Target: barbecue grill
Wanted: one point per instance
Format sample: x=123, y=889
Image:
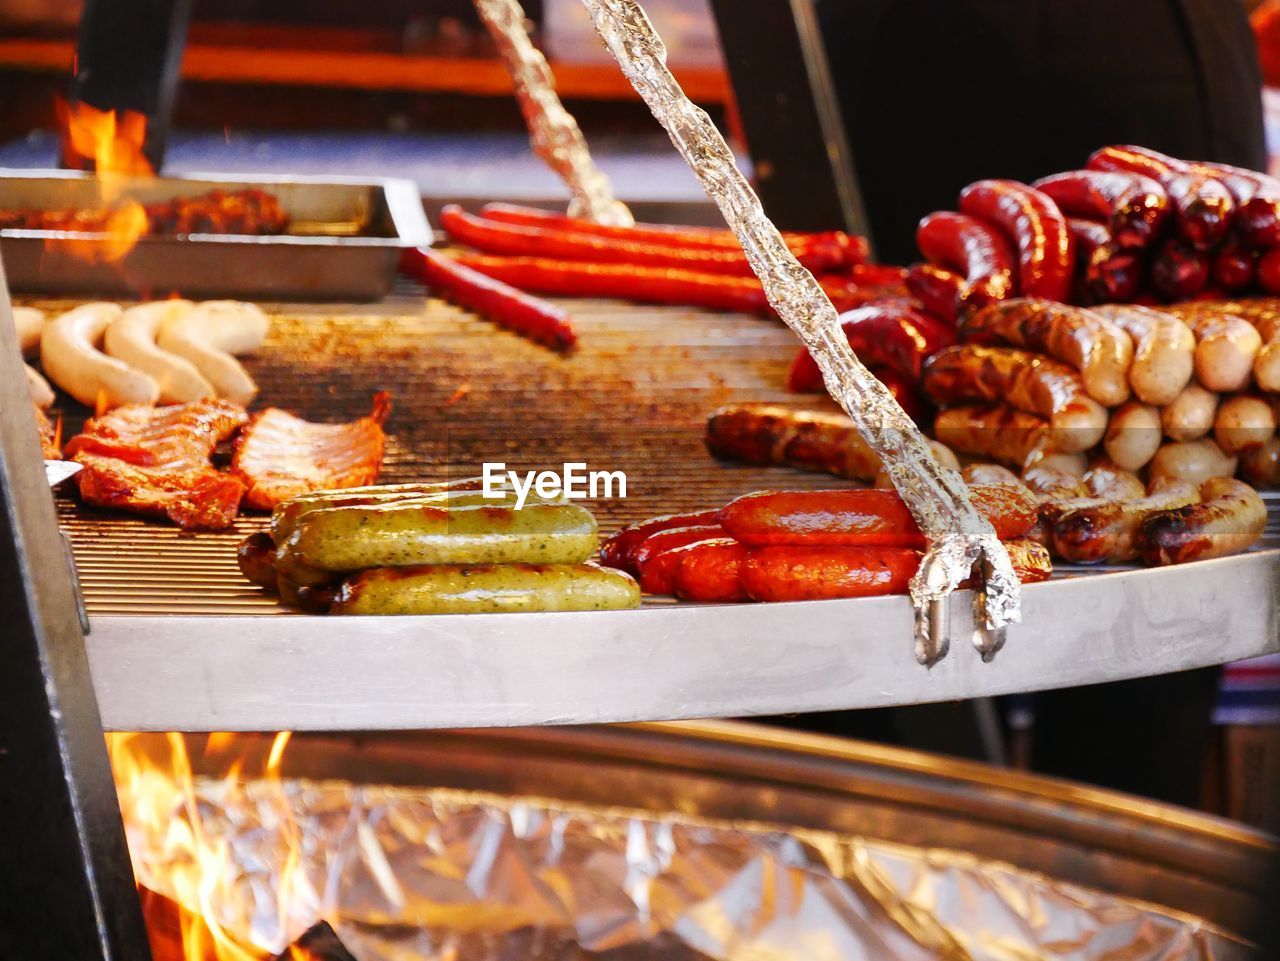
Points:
x=177, y=641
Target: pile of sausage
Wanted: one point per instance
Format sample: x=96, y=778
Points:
x=519, y=251
x=806, y=545
x=442, y=548
x=1085, y=512
x=1134, y=226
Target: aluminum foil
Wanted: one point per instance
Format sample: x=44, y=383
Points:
x=961, y=542
x=552, y=130
x=443, y=875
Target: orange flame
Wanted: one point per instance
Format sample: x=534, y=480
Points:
x=111, y=143
x=182, y=858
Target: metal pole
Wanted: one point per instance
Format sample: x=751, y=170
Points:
x=790, y=113
x=68, y=889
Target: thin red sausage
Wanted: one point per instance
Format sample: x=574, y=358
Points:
x=711, y=572
x=974, y=248
x=1046, y=255
x=619, y=550
x=659, y=574
x=1179, y=271
x=882, y=335
x=504, y=305
x=938, y=290
x=1107, y=273
x=655, y=544
x=1257, y=203
x=1203, y=205
x=821, y=573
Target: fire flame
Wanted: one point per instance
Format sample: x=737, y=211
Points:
x=163, y=811
x=111, y=143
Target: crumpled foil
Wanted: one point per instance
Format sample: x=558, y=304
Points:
x=553, y=132
x=432, y=874
x=961, y=541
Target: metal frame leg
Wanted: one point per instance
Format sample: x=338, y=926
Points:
x=68, y=889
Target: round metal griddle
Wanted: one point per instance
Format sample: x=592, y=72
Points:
x=179, y=640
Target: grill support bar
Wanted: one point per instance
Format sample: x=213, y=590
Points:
x=70, y=891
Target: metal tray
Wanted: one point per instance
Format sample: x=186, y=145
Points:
x=346, y=244
x=180, y=641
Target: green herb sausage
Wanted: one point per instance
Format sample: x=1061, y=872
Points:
x=414, y=533
x=285, y=516
x=486, y=588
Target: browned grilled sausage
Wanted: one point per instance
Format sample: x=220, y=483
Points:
x=1194, y=462
x=1163, y=351
x=1049, y=481
x=1242, y=421
x=809, y=440
x=1229, y=519
x=1108, y=531
x=1078, y=337
x=256, y=556
x=989, y=474
x=1133, y=435
x=995, y=432
x=970, y=373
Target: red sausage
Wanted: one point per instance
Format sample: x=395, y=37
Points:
x=1257, y=203
x=1135, y=207
x=1034, y=222
x=938, y=290
x=972, y=247
x=821, y=573
x=711, y=571
x=1106, y=274
x=619, y=550
x=1202, y=203
x=1269, y=272
x=655, y=544
x=659, y=574
x=1233, y=267
x=860, y=517
x=1179, y=271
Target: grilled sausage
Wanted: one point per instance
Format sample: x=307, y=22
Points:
x=1104, y=270
x=1133, y=435
x=710, y=572
x=486, y=588
x=1105, y=478
x=256, y=556
x=619, y=550
x=803, y=573
x=1085, y=340
x=1226, y=348
x=1243, y=420
x=1266, y=366
x=1257, y=203
x=809, y=440
x=413, y=534
x=996, y=432
x=1191, y=414
x=1073, y=465
x=854, y=517
x=1203, y=205
x=938, y=290
x=1046, y=253
x=660, y=569
x=882, y=335
x=1194, y=461
x=672, y=537
x=973, y=247
x=1108, y=532
x=1229, y=519
x=1029, y=382
x=1260, y=464
x=1234, y=267
x=1179, y=271
x=286, y=515
x=1030, y=560
x=1054, y=482
x=1135, y=207
x=1163, y=351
